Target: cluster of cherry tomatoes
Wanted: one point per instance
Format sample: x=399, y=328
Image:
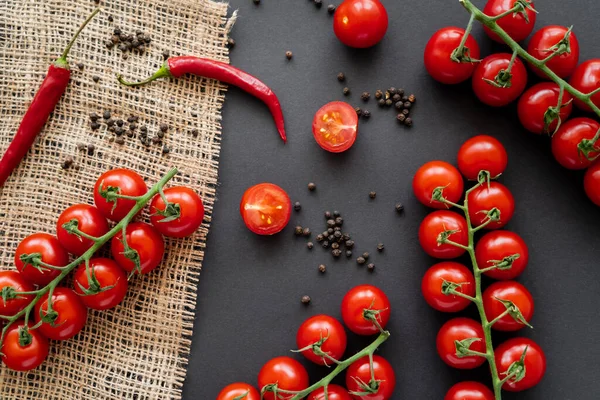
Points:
x=574, y=144
x=322, y=340
x=104, y=285
x=480, y=153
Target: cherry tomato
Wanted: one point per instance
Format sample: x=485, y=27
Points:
x=15, y=281
x=108, y=280
x=185, y=207
x=469, y=391
x=334, y=392
x=435, y=174
x=439, y=51
x=286, y=372
x=536, y=101
x=360, y=23
x=591, y=183
x=266, y=208
x=146, y=241
x=460, y=329
x=49, y=250
x=71, y=314
x=495, y=246
x=436, y=223
x=118, y=181
x=488, y=69
x=335, y=126
x=317, y=328
x=535, y=362
x=235, y=390
x=449, y=271
x=23, y=354
x=486, y=197
x=586, y=79
x=360, y=371
x=362, y=301
x=566, y=142
x=89, y=221
x=511, y=291
x=482, y=153
x=541, y=44
x=516, y=25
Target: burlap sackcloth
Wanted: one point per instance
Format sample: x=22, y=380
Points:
x=140, y=349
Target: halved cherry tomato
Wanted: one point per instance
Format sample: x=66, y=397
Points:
x=535, y=362
x=438, y=53
x=286, y=372
x=541, y=46
x=335, y=126
x=325, y=329
x=239, y=390
x=469, y=390
x=448, y=271
x=488, y=69
x=436, y=223
x=89, y=221
x=118, y=181
x=108, y=287
x=68, y=311
x=147, y=244
x=47, y=249
x=334, y=392
x=458, y=329
x=362, y=302
x=360, y=23
x=586, y=79
x=591, y=183
x=437, y=174
x=567, y=141
x=534, y=104
x=495, y=246
x=516, y=25
x=509, y=291
x=23, y=352
x=183, y=216
x=485, y=198
x=14, y=282
x=360, y=371
x=265, y=208
x=482, y=153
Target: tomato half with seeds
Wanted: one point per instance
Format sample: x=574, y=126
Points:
x=567, y=146
x=12, y=282
x=362, y=305
x=87, y=219
x=435, y=224
x=239, y=390
x=534, y=104
x=325, y=329
x=516, y=25
x=543, y=41
x=535, y=362
x=438, y=53
x=469, y=390
x=507, y=91
x=437, y=174
x=68, y=315
x=487, y=197
x=147, y=248
x=334, y=392
x=509, y=291
x=119, y=181
x=335, y=126
x=591, y=183
x=502, y=247
x=266, y=208
x=182, y=217
x=43, y=247
x=482, y=153
x=360, y=23
x=23, y=352
x=286, y=372
x=459, y=329
x=586, y=79
x=360, y=371
x=104, y=287
x=449, y=271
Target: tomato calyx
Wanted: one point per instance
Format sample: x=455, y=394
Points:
x=561, y=47
x=133, y=256
x=72, y=228
x=553, y=114
x=49, y=316
x=503, y=265
x=94, y=287
x=450, y=289
x=274, y=388
x=112, y=194
x=25, y=337
x=35, y=260
x=516, y=371
x=171, y=212
x=513, y=310
x=463, y=347
x=316, y=348
x=366, y=388
x=9, y=293
x=444, y=237
x=374, y=316
x=519, y=7
x=463, y=55
x=588, y=146
x=492, y=215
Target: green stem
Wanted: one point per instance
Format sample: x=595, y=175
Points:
x=62, y=60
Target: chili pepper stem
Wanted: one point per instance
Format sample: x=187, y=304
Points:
x=62, y=60
x=163, y=72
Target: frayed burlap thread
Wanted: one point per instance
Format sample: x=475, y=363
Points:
x=140, y=349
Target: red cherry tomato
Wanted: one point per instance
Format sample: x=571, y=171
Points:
x=534, y=104
x=482, y=153
x=436, y=223
x=147, y=243
x=586, y=79
x=89, y=221
x=360, y=23
x=118, y=181
x=438, y=53
x=335, y=126
x=511, y=291
x=495, y=246
x=186, y=209
x=486, y=197
x=334, y=392
x=17, y=283
x=266, y=208
x=435, y=174
x=449, y=271
x=488, y=69
x=541, y=44
x=23, y=354
x=516, y=25
x=70, y=313
x=286, y=372
x=535, y=362
x=360, y=371
x=460, y=329
x=359, y=302
x=235, y=390
x=591, y=183
x=566, y=143
x=469, y=391
x=109, y=282
x=318, y=328
x=50, y=252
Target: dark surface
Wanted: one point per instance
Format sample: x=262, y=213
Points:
x=249, y=293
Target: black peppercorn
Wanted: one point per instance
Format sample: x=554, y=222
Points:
x=408, y=121
x=94, y=125
x=325, y=244
x=327, y=214
x=119, y=122
x=341, y=77
x=366, y=114
x=400, y=92
x=289, y=55
x=312, y=186
x=345, y=237
x=387, y=95
x=257, y=2
x=361, y=260
x=330, y=223
x=298, y=230
x=339, y=221
x=230, y=43
x=117, y=31
x=305, y=299
x=378, y=94
x=90, y=149
x=331, y=8
x=399, y=207
x=336, y=214
x=401, y=117
x=194, y=132
x=306, y=232
x=166, y=54
x=412, y=98
x=160, y=134
x=371, y=267
x=381, y=102
x=396, y=98
x=365, y=96
x=389, y=102
x=329, y=231
x=109, y=44
x=67, y=163
x=406, y=111
x=404, y=99
x=319, y=3
x=349, y=244
x=348, y=253
x=380, y=247
x=110, y=122
x=164, y=127
x=346, y=91
x=297, y=206
x=106, y=115
x=331, y=238
x=309, y=245
x=94, y=117
x=399, y=105
x=156, y=140
x=336, y=252
x=120, y=140
x=118, y=130
x=408, y=104
x=320, y=237
x=335, y=245
x=358, y=111
x=322, y=268
x=392, y=90
x=372, y=195
x=110, y=18
x=337, y=229
x=337, y=234
x=124, y=56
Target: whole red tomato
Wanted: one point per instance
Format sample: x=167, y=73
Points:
x=448, y=271
x=87, y=219
x=360, y=23
x=591, y=183
x=482, y=153
x=469, y=390
x=118, y=181
x=586, y=79
x=266, y=209
x=510, y=291
x=183, y=216
x=108, y=284
x=568, y=147
x=535, y=362
x=322, y=328
x=440, y=50
x=516, y=25
x=286, y=372
x=458, y=329
x=505, y=90
x=23, y=352
x=437, y=174
x=360, y=371
x=68, y=312
x=17, y=283
x=361, y=304
x=485, y=198
x=148, y=246
x=443, y=221
x=236, y=390
x=334, y=392
x=45, y=248
x=495, y=246
x=537, y=108
x=544, y=41
x=335, y=126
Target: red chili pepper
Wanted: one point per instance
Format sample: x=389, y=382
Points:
x=177, y=66
x=37, y=114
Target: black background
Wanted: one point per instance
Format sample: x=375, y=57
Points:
x=249, y=293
